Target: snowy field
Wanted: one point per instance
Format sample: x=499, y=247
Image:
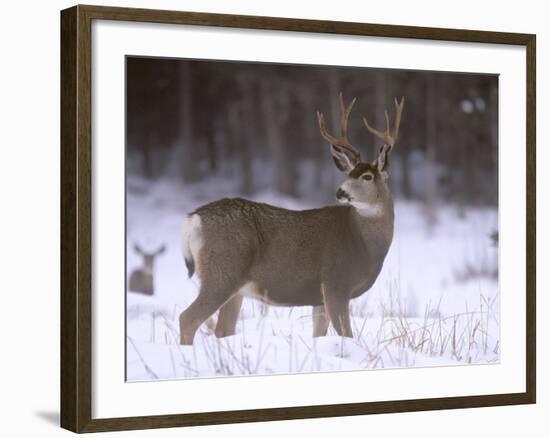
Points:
x=435, y=302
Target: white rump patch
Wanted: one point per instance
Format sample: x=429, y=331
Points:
x=192, y=238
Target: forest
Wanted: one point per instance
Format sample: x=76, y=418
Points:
x=257, y=122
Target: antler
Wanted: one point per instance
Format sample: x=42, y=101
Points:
x=387, y=137
x=342, y=142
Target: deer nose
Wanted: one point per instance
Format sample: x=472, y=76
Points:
x=342, y=194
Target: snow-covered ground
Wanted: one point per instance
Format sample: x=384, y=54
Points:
x=435, y=302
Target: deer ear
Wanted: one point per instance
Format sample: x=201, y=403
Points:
x=138, y=249
x=382, y=162
x=161, y=250
x=344, y=160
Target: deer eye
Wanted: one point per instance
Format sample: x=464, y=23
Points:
x=367, y=177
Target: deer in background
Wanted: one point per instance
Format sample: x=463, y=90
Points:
x=321, y=257
x=141, y=279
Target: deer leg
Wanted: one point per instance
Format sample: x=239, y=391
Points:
x=203, y=307
x=337, y=308
x=320, y=321
x=229, y=314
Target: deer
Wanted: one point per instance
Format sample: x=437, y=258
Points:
x=141, y=279
x=322, y=257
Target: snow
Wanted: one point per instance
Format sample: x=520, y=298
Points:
x=435, y=302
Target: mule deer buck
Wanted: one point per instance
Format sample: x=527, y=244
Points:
x=321, y=257
x=141, y=279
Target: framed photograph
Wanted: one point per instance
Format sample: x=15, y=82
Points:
x=303, y=218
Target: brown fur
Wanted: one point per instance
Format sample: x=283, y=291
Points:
x=142, y=282
x=290, y=256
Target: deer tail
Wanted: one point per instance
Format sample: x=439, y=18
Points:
x=190, y=234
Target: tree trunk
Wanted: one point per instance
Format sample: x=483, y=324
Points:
x=326, y=169
x=188, y=157
x=312, y=137
x=431, y=146
x=146, y=166
x=406, y=172
x=493, y=108
x=275, y=109
x=238, y=118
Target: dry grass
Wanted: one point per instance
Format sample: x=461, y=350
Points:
x=397, y=338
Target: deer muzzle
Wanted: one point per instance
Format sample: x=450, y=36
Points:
x=342, y=195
